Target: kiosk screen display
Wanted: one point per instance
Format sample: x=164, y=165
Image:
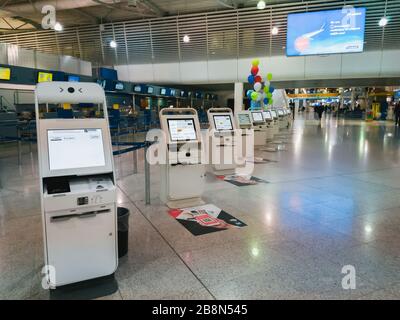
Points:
x=280, y=112
x=223, y=122
x=257, y=116
x=274, y=114
x=182, y=129
x=75, y=148
x=244, y=118
x=267, y=115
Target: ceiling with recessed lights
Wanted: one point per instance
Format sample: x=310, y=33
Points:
x=154, y=31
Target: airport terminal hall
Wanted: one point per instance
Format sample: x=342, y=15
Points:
x=225, y=152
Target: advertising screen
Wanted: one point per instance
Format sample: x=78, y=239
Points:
x=5, y=73
x=75, y=148
x=325, y=32
x=182, y=129
x=223, y=122
x=257, y=116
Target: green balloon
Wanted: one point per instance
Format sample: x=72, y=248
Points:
x=269, y=76
x=266, y=90
x=255, y=62
x=271, y=101
x=269, y=95
x=254, y=96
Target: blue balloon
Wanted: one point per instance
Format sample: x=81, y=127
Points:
x=254, y=105
x=271, y=89
x=250, y=78
x=266, y=101
x=248, y=93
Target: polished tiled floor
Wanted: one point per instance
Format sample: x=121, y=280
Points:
x=333, y=200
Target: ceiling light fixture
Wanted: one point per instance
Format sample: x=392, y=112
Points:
x=274, y=31
x=261, y=5
x=186, y=38
x=383, y=22
x=113, y=44
x=58, y=27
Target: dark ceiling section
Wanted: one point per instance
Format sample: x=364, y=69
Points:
x=218, y=34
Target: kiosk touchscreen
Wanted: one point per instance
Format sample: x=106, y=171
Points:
x=182, y=174
x=77, y=187
x=244, y=120
x=260, y=128
x=221, y=139
x=267, y=116
x=257, y=116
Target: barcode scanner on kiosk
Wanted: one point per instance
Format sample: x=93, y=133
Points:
x=77, y=187
x=183, y=173
x=221, y=142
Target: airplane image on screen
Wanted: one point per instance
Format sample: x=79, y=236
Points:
x=303, y=42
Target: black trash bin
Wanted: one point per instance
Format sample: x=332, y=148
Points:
x=123, y=231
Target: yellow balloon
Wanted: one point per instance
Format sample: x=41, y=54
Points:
x=255, y=62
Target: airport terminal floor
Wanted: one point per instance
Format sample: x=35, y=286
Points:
x=331, y=200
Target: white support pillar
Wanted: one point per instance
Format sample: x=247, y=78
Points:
x=238, y=97
x=296, y=102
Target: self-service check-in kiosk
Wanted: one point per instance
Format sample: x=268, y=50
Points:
x=269, y=121
x=77, y=187
x=183, y=174
x=282, y=119
x=260, y=128
x=221, y=144
x=274, y=114
x=245, y=124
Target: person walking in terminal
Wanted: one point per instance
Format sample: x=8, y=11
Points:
x=319, y=109
x=397, y=113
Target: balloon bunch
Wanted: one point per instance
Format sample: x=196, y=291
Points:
x=260, y=92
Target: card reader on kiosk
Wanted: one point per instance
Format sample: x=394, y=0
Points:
x=260, y=128
x=221, y=142
x=183, y=174
x=269, y=120
x=245, y=124
x=77, y=187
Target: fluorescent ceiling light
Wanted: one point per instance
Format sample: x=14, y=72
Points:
x=274, y=31
x=186, y=38
x=58, y=27
x=383, y=22
x=113, y=44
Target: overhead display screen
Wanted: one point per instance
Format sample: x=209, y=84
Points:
x=137, y=88
x=257, y=116
x=5, y=73
x=223, y=122
x=267, y=115
x=75, y=148
x=150, y=90
x=325, y=32
x=274, y=114
x=163, y=91
x=244, y=118
x=182, y=129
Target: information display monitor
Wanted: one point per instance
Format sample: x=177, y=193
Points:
x=75, y=148
x=222, y=122
x=257, y=116
x=182, y=129
x=267, y=115
x=244, y=119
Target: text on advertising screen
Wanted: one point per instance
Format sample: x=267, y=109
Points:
x=223, y=122
x=244, y=118
x=182, y=129
x=326, y=32
x=257, y=116
x=75, y=148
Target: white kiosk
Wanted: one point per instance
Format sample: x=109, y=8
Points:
x=274, y=114
x=282, y=118
x=269, y=121
x=183, y=174
x=221, y=143
x=245, y=124
x=77, y=187
x=260, y=128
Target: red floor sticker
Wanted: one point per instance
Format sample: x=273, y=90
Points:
x=205, y=219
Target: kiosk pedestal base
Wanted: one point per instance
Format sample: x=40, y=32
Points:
x=260, y=138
